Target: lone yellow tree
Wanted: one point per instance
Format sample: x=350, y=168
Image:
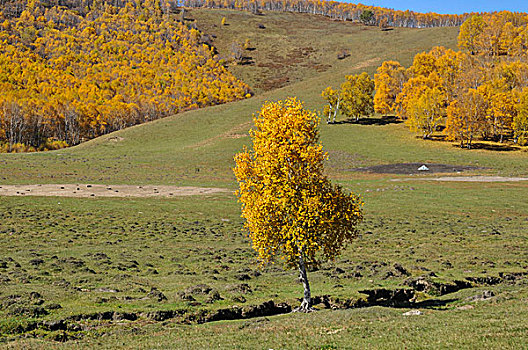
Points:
x=290, y=207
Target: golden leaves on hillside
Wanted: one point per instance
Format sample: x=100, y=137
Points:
x=70, y=77
x=480, y=93
x=353, y=99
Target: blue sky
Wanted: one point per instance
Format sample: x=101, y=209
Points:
x=450, y=6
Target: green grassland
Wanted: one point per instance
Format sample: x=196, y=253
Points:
x=75, y=259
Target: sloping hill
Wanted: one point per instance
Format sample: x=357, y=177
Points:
x=197, y=147
x=85, y=74
x=286, y=48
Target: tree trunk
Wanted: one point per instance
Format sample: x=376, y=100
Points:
x=306, y=305
x=336, y=109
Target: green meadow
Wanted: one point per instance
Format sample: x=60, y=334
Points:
x=158, y=272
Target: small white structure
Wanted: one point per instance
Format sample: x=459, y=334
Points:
x=423, y=168
x=413, y=313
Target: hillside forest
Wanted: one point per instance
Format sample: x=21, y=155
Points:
x=479, y=92
x=68, y=75
x=73, y=70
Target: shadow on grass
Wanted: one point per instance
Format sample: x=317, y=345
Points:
x=246, y=61
x=371, y=121
x=442, y=138
x=491, y=147
x=431, y=304
x=433, y=138
x=426, y=304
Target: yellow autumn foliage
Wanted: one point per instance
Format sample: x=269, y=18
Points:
x=467, y=96
x=341, y=10
x=388, y=82
x=73, y=75
x=290, y=207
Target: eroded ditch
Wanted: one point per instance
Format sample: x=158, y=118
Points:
x=76, y=326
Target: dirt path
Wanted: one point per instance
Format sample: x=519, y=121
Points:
x=366, y=63
x=234, y=133
x=87, y=190
x=469, y=179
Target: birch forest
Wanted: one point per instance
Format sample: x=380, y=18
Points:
x=71, y=71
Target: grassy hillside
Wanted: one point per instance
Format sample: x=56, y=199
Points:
x=116, y=254
x=295, y=47
x=197, y=147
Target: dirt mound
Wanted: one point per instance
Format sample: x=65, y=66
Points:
x=413, y=168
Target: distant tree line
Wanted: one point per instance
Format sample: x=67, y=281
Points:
x=370, y=15
x=13, y=8
x=66, y=77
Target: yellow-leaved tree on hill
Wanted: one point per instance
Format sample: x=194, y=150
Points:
x=388, y=81
x=356, y=93
x=353, y=100
x=290, y=207
x=520, y=121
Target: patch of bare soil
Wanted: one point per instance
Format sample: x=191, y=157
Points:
x=87, y=190
x=115, y=139
x=413, y=168
x=236, y=132
x=367, y=63
x=477, y=178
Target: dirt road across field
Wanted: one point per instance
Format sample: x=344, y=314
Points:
x=469, y=179
x=87, y=190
